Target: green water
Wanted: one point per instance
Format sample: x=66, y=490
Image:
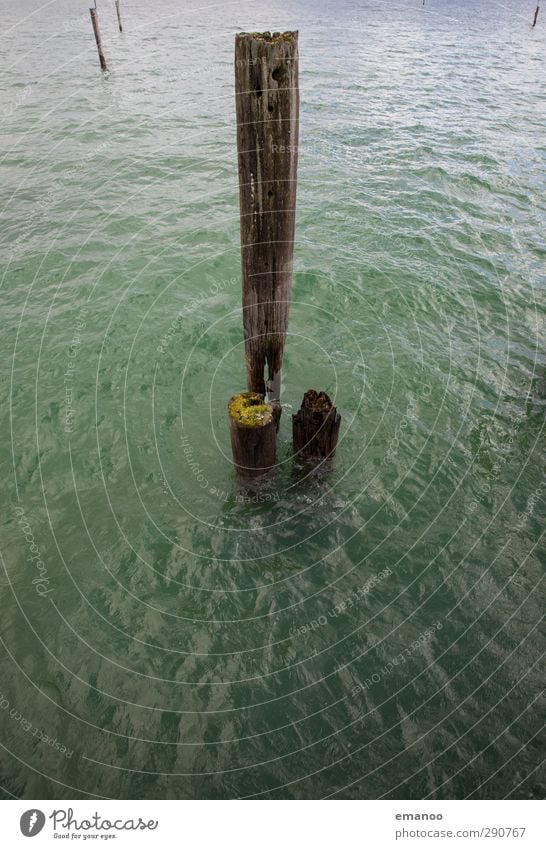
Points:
x=375, y=633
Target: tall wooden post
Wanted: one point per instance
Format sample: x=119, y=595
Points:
x=119, y=16
x=536, y=16
x=267, y=103
x=95, y=22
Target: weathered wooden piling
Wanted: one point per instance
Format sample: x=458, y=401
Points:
x=536, y=17
x=96, y=30
x=267, y=104
x=315, y=427
x=253, y=432
x=119, y=16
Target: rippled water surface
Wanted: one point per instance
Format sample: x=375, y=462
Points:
x=374, y=632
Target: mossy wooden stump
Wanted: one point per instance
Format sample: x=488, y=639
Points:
x=253, y=432
x=315, y=427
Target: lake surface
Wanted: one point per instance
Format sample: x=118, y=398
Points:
x=374, y=632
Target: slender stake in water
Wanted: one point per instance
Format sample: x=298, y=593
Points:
x=96, y=30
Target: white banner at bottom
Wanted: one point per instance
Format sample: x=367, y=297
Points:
x=274, y=824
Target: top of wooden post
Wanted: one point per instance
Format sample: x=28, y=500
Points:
x=271, y=38
x=254, y=47
x=250, y=410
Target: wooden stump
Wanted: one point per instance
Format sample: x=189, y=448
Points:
x=253, y=432
x=120, y=25
x=536, y=17
x=96, y=30
x=315, y=427
x=267, y=103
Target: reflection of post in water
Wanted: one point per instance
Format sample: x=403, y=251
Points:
x=314, y=472
x=255, y=491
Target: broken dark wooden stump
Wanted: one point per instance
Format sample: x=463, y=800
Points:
x=253, y=432
x=96, y=30
x=315, y=427
x=537, y=10
x=267, y=104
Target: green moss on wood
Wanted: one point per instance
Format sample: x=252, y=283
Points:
x=249, y=409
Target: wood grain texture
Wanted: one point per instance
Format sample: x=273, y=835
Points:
x=315, y=427
x=253, y=446
x=267, y=106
